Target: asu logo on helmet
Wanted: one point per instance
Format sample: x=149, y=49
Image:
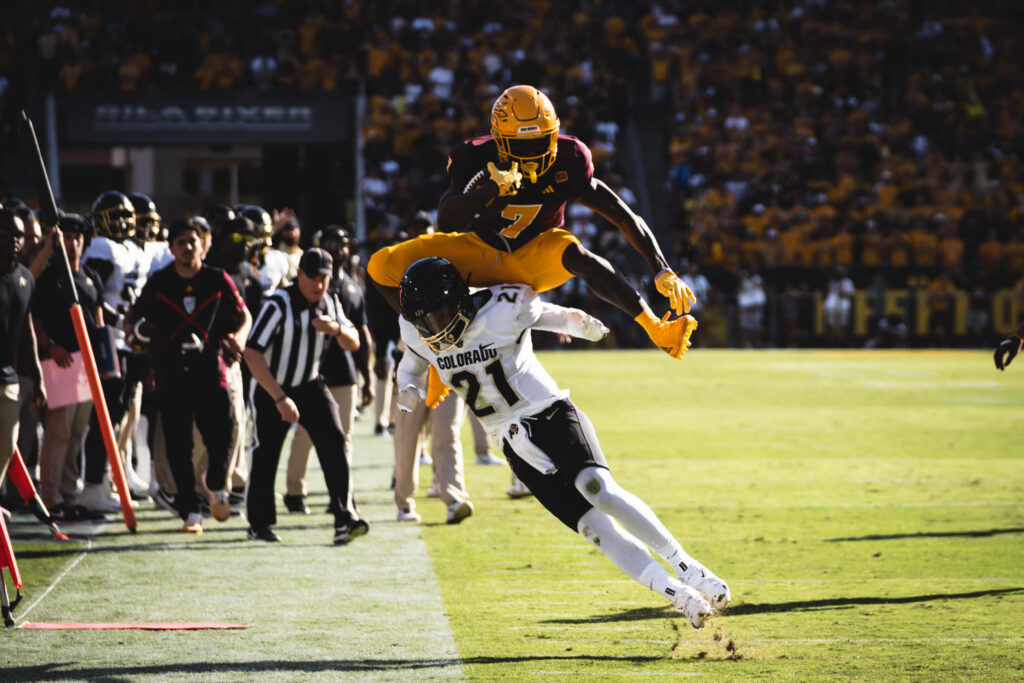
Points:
x=525, y=127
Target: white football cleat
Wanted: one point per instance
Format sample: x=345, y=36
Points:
x=99, y=498
x=458, y=511
x=688, y=601
x=488, y=459
x=517, y=489
x=700, y=577
x=409, y=515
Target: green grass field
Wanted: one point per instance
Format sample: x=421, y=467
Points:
x=867, y=510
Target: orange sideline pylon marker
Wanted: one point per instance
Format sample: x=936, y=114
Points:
x=8, y=560
x=23, y=482
x=49, y=217
x=103, y=417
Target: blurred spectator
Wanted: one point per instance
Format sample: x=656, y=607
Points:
x=751, y=301
x=838, y=306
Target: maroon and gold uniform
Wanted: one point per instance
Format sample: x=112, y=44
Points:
x=501, y=244
x=512, y=221
x=507, y=196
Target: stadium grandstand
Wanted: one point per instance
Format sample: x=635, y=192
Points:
x=841, y=173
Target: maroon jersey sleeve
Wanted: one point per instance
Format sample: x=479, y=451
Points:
x=580, y=167
x=510, y=222
x=230, y=293
x=468, y=159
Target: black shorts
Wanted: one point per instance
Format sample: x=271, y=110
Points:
x=565, y=434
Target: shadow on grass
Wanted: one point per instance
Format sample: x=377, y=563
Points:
x=70, y=671
x=846, y=603
x=932, y=534
x=638, y=614
x=795, y=606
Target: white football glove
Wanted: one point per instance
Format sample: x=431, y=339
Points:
x=409, y=397
x=586, y=326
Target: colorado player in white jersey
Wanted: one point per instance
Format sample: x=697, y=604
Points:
x=480, y=345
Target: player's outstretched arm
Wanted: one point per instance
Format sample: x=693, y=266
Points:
x=570, y=321
x=602, y=199
x=671, y=336
x=411, y=377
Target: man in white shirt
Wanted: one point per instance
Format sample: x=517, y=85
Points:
x=480, y=345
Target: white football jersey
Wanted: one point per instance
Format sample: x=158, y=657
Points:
x=121, y=287
x=159, y=255
x=493, y=368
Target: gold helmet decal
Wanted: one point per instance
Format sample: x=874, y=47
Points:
x=525, y=126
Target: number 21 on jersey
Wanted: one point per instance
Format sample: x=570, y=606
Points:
x=472, y=384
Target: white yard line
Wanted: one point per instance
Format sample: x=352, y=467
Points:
x=20, y=618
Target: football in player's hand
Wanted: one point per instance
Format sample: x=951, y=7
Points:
x=484, y=174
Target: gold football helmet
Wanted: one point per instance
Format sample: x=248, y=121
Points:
x=113, y=215
x=525, y=126
x=147, y=220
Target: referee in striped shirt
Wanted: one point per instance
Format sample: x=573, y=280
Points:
x=290, y=336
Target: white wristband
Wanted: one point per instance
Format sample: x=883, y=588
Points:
x=138, y=334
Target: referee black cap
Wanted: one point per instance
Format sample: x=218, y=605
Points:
x=316, y=262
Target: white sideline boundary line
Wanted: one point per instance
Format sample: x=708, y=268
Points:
x=882, y=640
x=618, y=674
x=21, y=618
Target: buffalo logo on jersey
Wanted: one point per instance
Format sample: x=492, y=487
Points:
x=436, y=301
x=480, y=354
x=525, y=127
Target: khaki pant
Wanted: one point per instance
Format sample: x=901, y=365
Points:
x=481, y=446
x=63, y=435
x=446, y=450
x=302, y=446
x=9, y=410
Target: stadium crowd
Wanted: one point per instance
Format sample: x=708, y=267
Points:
x=800, y=137
x=810, y=147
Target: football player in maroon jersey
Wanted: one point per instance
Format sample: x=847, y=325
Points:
x=503, y=213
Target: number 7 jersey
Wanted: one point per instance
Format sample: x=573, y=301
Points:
x=494, y=367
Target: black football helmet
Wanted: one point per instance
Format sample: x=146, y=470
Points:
x=436, y=301
x=113, y=215
x=147, y=220
x=264, y=225
x=217, y=215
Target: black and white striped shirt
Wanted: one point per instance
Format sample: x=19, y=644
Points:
x=283, y=332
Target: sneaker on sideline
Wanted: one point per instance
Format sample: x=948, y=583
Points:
x=220, y=508
x=296, y=503
x=164, y=501
x=262, y=534
x=409, y=515
x=98, y=498
x=517, y=489
x=346, y=532
x=67, y=514
x=488, y=459
x=458, y=511
x=193, y=524
x=88, y=516
x=434, y=491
